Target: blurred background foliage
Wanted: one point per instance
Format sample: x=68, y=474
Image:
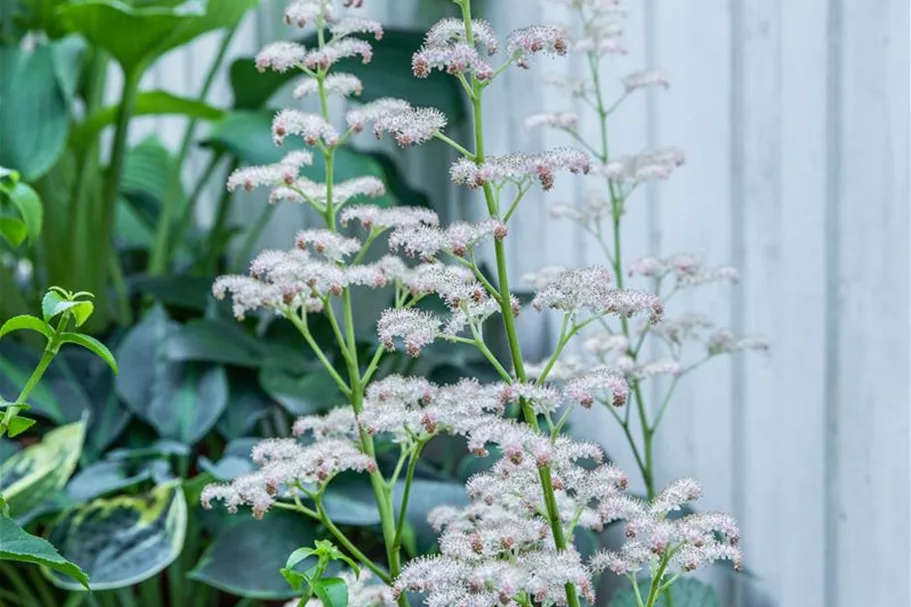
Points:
x=115, y=482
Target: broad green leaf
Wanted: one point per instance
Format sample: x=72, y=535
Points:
x=332, y=591
x=28, y=203
x=215, y=341
x=148, y=173
x=253, y=570
x=105, y=477
x=16, y=544
x=247, y=404
x=147, y=103
x=301, y=395
x=32, y=475
x=351, y=503
x=248, y=136
x=182, y=401
x=54, y=304
x=34, y=111
x=387, y=75
x=686, y=592
x=227, y=468
x=93, y=345
x=188, y=292
x=123, y=540
x=137, y=35
x=24, y=322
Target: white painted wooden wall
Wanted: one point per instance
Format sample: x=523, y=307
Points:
x=795, y=118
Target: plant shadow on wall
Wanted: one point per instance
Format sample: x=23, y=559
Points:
x=114, y=481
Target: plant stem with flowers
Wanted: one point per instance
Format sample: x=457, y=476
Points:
x=513, y=543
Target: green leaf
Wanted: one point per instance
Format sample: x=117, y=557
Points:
x=686, y=592
x=351, y=503
x=19, y=424
x=148, y=103
x=248, y=136
x=332, y=591
x=253, y=571
x=182, y=401
x=215, y=341
x=25, y=322
x=13, y=231
x=16, y=544
x=34, y=111
x=247, y=404
x=28, y=203
x=147, y=172
x=137, y=35
x=387, y=75
x=93, y=345
x=301, y=395
x=105, y=477
x=32, y=475
x=188, y=292
x=123, y=540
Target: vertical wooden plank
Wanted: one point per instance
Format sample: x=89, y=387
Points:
x=870, y=481
x=693, y=214
x=780, y=170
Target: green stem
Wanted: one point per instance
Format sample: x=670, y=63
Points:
x=158, y=260
x=553, y=514
x=349, y=545
x=105, y=238
x=381, y=491
x=403, y=507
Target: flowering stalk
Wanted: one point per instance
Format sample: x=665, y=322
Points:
x=512, y=544
x=479, y=157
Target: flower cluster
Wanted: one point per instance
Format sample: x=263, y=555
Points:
x=287, y=467
x=519, y=168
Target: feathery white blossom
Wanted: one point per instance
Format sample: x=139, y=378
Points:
x=536, y=39
x=519, y=167
x=310, y=127
x=342, y=84
x=643, y=167
x=410, y=127
x=280, y=56
x=645, y=78
x=283, y=172
x=559, y=120
x=356, y=25
x=331, y=245
x=417, y=328
x=371, y=216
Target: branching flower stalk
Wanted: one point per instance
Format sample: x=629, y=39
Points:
x=512, y=545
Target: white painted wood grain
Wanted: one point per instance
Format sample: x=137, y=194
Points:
x=795, y=119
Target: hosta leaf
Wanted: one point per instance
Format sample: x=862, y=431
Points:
x=137, y=35
x=123, y=540
x=301, y=394
x=16, y=544
x=245, y=558
x=33, y=474
x=34, y=111
x=182, y=401
x=104, y=477
x=686, y=592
